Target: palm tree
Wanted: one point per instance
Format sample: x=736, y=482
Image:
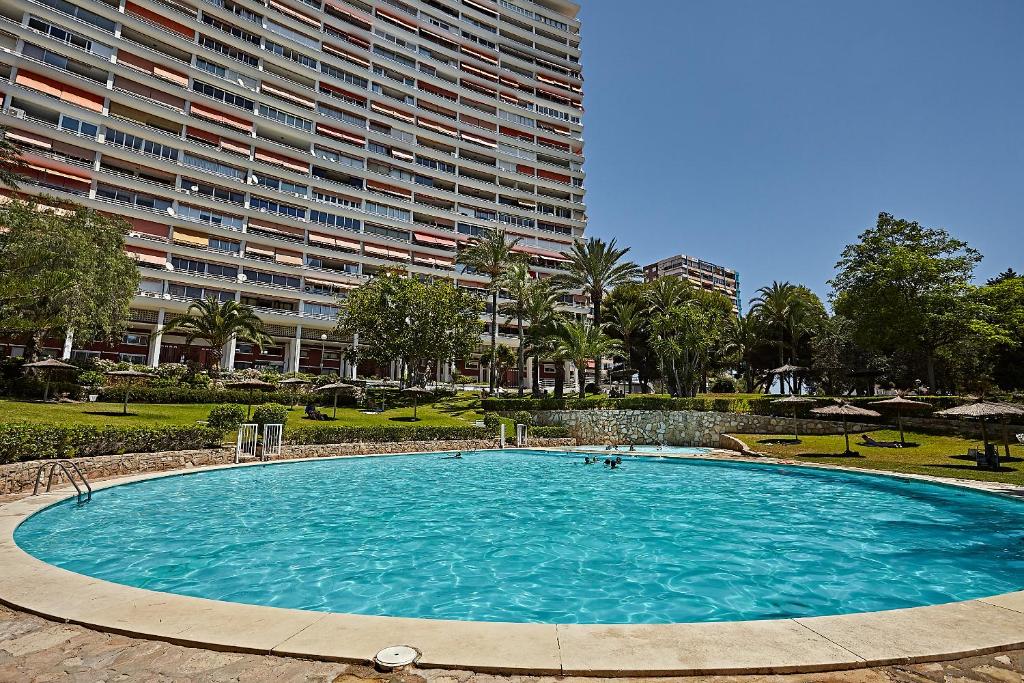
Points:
x=741, y=338
x=10, y=162
x=217, y=323
x=518, y=284
x=579, y=341
x=626, y=318
x=774, y=306
x=596, y=267
x=541, y=310
x=491, y=254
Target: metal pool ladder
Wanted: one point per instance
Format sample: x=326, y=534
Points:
x=69, y=473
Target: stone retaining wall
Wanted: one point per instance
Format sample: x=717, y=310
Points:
x=677, y=427
x=20, y=476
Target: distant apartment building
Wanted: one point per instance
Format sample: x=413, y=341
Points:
x=701, y=273
x=281, y=152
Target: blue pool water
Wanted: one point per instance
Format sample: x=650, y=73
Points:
x=623, y=450
x=540, y=537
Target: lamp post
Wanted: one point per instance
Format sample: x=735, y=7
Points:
x=323, y=347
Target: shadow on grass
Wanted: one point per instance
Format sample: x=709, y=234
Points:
x=407, y=418
x=1003, y=458
x=950, y=466
x=109, y=413
x=852, y=454
x=780, y=442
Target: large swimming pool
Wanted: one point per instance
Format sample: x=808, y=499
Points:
x=525, y=536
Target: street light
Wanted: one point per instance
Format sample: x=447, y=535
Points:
x=323, y=346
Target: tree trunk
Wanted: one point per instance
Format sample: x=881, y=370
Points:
x=596, y=297
x=782, y=360
x=32, y=346
x=522, y=359
x=559, y=379
x=494, y=340
x=628, y=367
x=536, y=373
x=931, y=372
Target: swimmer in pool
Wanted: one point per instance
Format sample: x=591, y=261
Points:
x=457, y=456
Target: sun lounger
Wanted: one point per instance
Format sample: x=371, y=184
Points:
x=866, y=440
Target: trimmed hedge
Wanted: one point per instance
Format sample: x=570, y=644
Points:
x=553, y=432
x=331, y=435
x=143, y=394
x=40, y=442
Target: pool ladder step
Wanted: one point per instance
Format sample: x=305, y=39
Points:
x=70, y=470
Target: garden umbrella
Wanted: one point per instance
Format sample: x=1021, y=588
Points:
x=251, y=385
x=47, y=367
x=795, y=402
x=787, y=371
x=293, y=382
x=416, y=392
x=127, y=376
x=899, y=404
x=982, y=410
x=845, y=410
x=335, y=387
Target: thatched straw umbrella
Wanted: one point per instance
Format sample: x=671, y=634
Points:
x=293, y=382
x=128, y=376
x=416, y=392
x=787, y=371
x=845, y=410
x=899, y=404
x=47, y=367
x=252, y=385
x=795, y=402
x=982, y=410
x=335, y=387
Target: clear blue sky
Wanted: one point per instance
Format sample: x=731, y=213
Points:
x=766, y=134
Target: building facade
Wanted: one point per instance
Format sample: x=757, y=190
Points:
x=279, y=153
x=703, y=274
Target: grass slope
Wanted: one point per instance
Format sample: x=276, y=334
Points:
x=943, y=456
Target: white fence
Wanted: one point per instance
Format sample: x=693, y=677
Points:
x=246, y=444
x=272, y=440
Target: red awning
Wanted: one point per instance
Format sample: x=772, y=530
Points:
x=543, y=253
x=430, y=239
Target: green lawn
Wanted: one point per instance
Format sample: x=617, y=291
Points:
x=943, y=456
x=456, y=412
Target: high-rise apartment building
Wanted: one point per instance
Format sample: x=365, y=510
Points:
x=703, y=274
x=279, y=153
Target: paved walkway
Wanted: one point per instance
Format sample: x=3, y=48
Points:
x=34, y=650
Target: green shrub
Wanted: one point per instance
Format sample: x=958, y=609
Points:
x=522, y=417
x=724, y=385
x=269, y=414
x=491, y=421
x=185, y=394
x=552, y=432
x=323, y=434
x=226, y=418
x=40, y=442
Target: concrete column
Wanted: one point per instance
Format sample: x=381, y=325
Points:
x=296, y=350
x=156, y=340
x=354, y=365
x=529, y=374
x=69, y=341
x=227, y=361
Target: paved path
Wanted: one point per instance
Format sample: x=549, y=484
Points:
x=34, y=650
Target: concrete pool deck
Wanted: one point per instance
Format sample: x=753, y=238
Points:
x=798, y=645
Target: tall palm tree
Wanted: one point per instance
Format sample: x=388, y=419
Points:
x=542, y=312
x=518, y=283
x=491, y=254
x=11, y=164
x=596, y=267
x=579, y=341
x=741, y=338
x=626, y=318
x=217, y=323
x=774, y=306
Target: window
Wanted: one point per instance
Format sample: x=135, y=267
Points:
x=116, y=137
x=211, y=166
x=342, y=75
x=390, y=233
x=282, y=185
x=333, y=220
x=223, y=96
x=337, y=200
x=135, y=339
x=221, y=244
x=338, y=157
x=204, y=189
x=388, y=211
x=324, y=310
x=228, y=51
x=285, y=118
x=271, y=278
x=300, y=38
x=271, y=206
x=291, y=54
x=201, y=215
x=84, y=15
x=78, y=127
x=435, y=164
x=69, y=38
x=229, y=28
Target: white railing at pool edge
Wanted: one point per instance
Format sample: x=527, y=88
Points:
x=272, y=434
x=246, y=443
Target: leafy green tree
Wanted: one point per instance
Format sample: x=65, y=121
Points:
x=579, y=341
x=217, y=323
x=542, y=312
x=519, y=284
x=63, y=267
x=905, y=288
x=11, y=164
x=741, y=339
x=400, y=318
x=491, y=254
x=1004, y=302
x=597, y=267
x=627, y=320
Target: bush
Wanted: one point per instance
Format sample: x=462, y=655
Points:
x=269, y=414
x=723, y=385
x=332, y=435
x=184, y=394
x=553, y=432
x=226, y=418
x=40, y=442
x=491, y=421
x=522, y=417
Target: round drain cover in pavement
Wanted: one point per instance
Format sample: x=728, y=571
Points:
x=396, y=656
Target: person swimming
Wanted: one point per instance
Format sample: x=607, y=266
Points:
x=588, y=461
x=457, y=456
x=618, y=459
x=632, y=448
